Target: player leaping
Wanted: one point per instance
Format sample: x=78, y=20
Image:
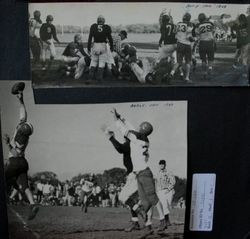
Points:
x=17, y=166
x=139, y=146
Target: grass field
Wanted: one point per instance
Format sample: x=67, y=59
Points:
x=71, y=223
x=223, y=73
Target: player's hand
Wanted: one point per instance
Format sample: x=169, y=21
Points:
x=191, y=39
x=48, y=42
x=6, y=138
x=115, y=113
x=20, y=96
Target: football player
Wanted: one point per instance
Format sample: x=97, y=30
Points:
x=134, y=67
x=100, y=33
x=17, y=166
x=165, y=182
x=139, y=146
x=34, y=27
x=167, y=42
x=243, y=41
x=185, y=35
x=205, y=32
x=113, y=58
x=129, y=191
x=87, y=186
x=48, y=35
x=75, y=57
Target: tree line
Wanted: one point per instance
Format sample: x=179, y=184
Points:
x=113, y=175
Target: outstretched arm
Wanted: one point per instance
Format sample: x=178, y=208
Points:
x=123, y=125
x=23, y=112
x=121, y=148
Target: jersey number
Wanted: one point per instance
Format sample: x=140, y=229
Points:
x=206, y=28
x=145, y=150
x=181, y=28
x=169, y=29
x=100, y=28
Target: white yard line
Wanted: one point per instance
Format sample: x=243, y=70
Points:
x=35, y=234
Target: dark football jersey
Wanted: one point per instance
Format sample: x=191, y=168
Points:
x=73, y=48
x=168, y=32
x=100, y=33
x=243, y=37
x=47, y=32
x=21, y=142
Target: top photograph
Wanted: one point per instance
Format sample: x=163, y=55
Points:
x=147, y=44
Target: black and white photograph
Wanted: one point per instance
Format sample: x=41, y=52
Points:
x=93, y=170
x=139, y=44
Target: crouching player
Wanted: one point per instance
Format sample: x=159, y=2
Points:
x=75, y=58
x=205, y=31
x=114, y=58
x=139, y=146
x=17, y=166
x=137, y=71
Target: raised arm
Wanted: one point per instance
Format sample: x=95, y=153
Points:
x=121, y=148
x=23, y=112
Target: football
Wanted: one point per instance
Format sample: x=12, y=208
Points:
x=17, y=87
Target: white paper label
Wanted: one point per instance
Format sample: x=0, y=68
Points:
x=202, y=204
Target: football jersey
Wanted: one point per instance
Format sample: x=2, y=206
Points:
x=243, y=35
x=168, y=32
x=101, y=33
x=117, y=43
x=20, y=142
x=87, y=186
x=47, y=32
x=139, y=147
x=205, y=31
x=73, y=49
x=34, y=28
x=165, y=180
x=184, y=31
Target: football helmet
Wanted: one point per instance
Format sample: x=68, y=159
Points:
x=145, y=128
x=202, y=17
x=100, y=19
x=49, y=18
x=186, y=17
x=37, y=14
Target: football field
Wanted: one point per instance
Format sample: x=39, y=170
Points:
x=223, y=72
x=61, y=222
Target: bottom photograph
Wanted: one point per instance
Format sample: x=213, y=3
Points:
x=93, y=170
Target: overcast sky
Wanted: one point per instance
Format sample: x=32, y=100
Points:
x=68, y=139
x=85, y=14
